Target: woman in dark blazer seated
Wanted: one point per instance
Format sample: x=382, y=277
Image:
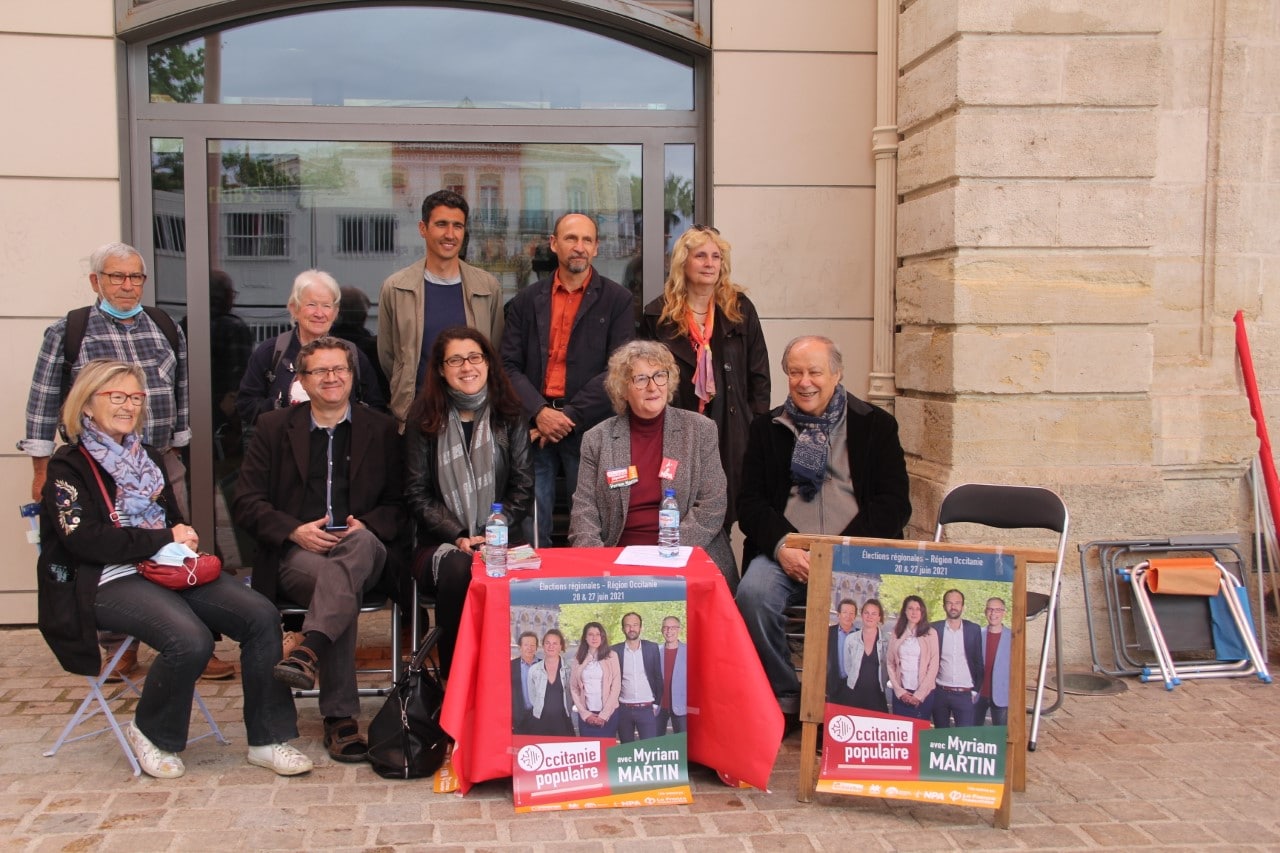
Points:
x=669, y=448
x=466, y=447
x=106, y=507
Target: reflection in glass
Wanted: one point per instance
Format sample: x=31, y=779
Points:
x=399, y=56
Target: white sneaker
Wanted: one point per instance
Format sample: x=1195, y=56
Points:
x=280, y=757
x=153, y=760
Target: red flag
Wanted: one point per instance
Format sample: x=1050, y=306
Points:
x=1255, y=408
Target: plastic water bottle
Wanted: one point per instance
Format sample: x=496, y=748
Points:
x=668, y=525
x=495, y=543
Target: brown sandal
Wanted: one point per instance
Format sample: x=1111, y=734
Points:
x=343, y=741
x=297, y=669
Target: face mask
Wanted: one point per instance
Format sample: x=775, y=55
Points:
x=112, y=311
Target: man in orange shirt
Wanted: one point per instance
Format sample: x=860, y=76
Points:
x=555, y=349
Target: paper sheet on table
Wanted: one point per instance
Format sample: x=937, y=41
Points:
x=647, y=555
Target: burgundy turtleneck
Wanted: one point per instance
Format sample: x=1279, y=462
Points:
x=641, y=527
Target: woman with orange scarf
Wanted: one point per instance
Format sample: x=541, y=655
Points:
x=713, y=331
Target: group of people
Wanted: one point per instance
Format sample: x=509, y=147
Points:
x=632, y=690
x=487, y=404
x=952, y=672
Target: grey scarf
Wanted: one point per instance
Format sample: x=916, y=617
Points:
x=466, y=479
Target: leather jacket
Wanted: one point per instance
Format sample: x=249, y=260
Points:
x=512, y=475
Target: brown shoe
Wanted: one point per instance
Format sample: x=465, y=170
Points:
x=217, y=670
x=127, y=665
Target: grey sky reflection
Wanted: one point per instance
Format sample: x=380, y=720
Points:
x=443, y=57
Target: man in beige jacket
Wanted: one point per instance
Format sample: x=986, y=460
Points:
x=431, y=294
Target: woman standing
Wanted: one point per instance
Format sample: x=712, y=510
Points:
x=106, y=506
x=866, y=655
x=665, y=448
x=270, y=381
x=466, y=447
x=548, y=690
x=913, y=660
x=713, y=331
x=596, y=683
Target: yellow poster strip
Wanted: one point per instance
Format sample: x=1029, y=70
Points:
x=675, y=796
x=975, y=794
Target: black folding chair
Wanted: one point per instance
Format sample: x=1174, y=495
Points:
x=1018, y=508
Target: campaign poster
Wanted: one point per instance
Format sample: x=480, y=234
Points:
x=919, y=654
x=599, y=692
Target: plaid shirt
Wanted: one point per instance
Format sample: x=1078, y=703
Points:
x=140, y=342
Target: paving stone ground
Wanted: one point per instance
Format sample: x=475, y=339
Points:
x=1193, y=769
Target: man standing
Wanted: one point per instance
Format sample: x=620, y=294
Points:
x=521, y=703
x=559, y=334
x=959, y=664
x=321, y=488
x=997, y=643
x=838, y=689
x=674, y=705
x=823, y=462
x=433, y=293
x=641, y=683
x=117, y=326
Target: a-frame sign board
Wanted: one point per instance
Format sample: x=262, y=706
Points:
x=817, y=624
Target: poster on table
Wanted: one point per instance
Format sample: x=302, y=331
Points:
x=593, y=729
x=876, y=747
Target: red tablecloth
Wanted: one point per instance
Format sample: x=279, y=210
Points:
x=734, y=722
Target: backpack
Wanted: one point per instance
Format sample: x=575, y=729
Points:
x=78, y=321
x=282, y=344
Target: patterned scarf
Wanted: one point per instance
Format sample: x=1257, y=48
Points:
x=704, y=374
x=139, y=481
x=809, y=458
x=466, y=479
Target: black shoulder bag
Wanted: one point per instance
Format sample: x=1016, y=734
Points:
x=405, y=738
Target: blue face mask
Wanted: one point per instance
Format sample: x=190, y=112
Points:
x=112, y=311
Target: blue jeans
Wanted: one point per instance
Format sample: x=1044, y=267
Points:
x=637, y=723
x=923, y=711
x=608, y=730
x=563, y=455
x=179, y=624
x=999, y=716
x=679, y=722
x=763, y=593
x=949, y=705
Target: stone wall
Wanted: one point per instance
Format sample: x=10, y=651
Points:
x=1088, y=194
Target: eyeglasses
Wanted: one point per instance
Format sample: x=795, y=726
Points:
x=118, y=398
x=340, y=371
x=642, y=380
x=711, y=228
x=118, y=278
x=469, y=358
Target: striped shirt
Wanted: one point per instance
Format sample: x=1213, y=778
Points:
x=140, y=342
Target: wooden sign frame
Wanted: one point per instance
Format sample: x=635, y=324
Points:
x=817, y=623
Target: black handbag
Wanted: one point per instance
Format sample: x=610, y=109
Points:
x=405, y=738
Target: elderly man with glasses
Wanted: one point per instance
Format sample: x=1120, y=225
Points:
x=322, y=490
x=117, y=326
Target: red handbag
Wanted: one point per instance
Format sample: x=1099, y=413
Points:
x=194, y=571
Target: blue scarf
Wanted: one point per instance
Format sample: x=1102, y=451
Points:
x=809, y=458
x=139, y=481
x=112, y=311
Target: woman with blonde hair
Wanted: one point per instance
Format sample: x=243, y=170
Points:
x=107, y=506
x=713, y=331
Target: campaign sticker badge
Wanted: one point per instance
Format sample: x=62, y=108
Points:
x=617, y=478
x=668, y=469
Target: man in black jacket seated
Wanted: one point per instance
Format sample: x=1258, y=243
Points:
x=824, y=462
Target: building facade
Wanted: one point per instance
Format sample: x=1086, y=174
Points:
x=1027, y=223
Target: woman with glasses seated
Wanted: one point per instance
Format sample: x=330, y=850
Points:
x=713, y=331
x=629, y=459
x=106, y=506
x=466, y=447
x=270, y=381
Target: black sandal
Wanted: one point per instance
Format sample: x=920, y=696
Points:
x=298, y=669
x=343, y=741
